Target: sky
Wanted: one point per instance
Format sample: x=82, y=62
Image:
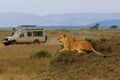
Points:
x=48, y=7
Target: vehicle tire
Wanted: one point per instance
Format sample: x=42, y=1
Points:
x=13, y=42
x=36, y=42
x=6, y=44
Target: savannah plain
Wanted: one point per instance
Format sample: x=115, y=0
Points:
x=17, y=62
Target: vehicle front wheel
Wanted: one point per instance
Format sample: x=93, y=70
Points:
x=13, y=42
x=6, y=44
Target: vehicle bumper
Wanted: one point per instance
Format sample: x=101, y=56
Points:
x=6, y=42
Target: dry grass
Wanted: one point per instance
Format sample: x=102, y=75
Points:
x=16, y=63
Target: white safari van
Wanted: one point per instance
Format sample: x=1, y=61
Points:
x=26, y=36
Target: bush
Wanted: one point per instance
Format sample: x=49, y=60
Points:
x=93, y=42
x=99, y=44
x=40, y=54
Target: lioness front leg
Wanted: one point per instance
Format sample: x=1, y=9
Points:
x=61, y=50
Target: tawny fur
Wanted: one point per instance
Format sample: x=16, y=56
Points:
x=82, y=46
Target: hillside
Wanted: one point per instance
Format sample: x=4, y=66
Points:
x=82, y=19
x=13, y=19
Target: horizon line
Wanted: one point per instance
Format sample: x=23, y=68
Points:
x=64, y=13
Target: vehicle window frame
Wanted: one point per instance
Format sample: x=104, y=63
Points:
x=29, y=34
x=37, y=33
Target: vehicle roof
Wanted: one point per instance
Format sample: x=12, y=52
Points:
x=32, y=30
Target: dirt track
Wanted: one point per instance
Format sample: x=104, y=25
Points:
x=52, y=41
x=1, y=45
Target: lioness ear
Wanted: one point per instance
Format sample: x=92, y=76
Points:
x=64, y=35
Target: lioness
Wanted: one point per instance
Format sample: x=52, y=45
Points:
x=82, y=46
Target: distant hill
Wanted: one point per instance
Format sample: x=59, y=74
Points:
x=14, y=19
x=82, y=19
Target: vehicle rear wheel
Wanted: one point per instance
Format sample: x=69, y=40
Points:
x=46, y=38
x=36, y=42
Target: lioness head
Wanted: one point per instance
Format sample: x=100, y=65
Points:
x=62, y=38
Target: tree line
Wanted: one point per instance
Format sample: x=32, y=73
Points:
x=96, y=27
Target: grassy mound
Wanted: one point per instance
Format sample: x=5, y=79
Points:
x=75, y=66
x=65, y=57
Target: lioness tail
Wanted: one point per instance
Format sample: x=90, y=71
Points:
x=98, y=53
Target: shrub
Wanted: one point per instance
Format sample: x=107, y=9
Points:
x=92, y=41
x=40, y=54
x=99, y=44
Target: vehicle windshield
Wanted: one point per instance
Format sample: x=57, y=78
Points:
x=16, y=34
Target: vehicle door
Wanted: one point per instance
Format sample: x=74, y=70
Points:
x=26, y=37
x=21, y=37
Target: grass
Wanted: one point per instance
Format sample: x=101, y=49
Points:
x=40, y=54
x=19, y=62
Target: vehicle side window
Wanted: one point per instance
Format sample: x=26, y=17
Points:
x=38, y=33
x=29, y=34
x=21, y=34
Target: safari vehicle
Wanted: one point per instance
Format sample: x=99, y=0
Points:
x=26, y=36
